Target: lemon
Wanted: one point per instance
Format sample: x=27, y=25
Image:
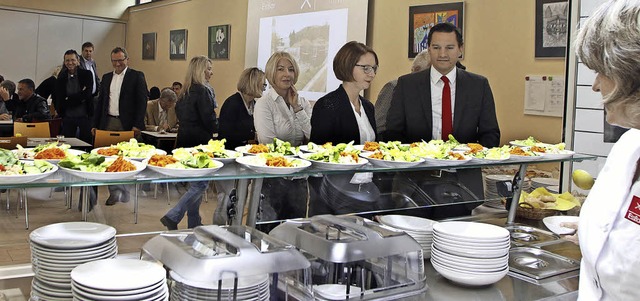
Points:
x=583, y=179
x=18, y=135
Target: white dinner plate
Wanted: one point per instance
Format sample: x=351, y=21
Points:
x=245, y=150
x=468, y=278
x=409, y=223
x=140, y=166
x=244, y=283
x=118, y=274
x=336, y=291
x=257, y=164
x=335, y=166
x=446, y=162
x=19, y=179
x=185, y=172
x=29, y=154
x=72, y=235
x=151, y=153
x=389, y=163
x=561, y=154
x=471, y=231
x=231, y=155
x=553, y=224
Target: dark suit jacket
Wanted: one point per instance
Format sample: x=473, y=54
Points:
x=31, y=110
x=333, y=119
x=133, y=101
x=236, y=125
x=152, y=117
x=47, y=87
x=81, y=65
x=63, y=100
x=409, y=118
x=197, y=117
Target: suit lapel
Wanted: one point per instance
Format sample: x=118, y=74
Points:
x=425, y=99
x=460, y=98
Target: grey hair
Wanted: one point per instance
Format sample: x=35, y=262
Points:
x=609, y=44
x=421, y=61
x=169, y=95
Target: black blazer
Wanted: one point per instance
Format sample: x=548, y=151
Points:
x=133, y=101
x=236, y=125
x=474, y=119
x=197, y=117
x=63, y=100
x=333, y=119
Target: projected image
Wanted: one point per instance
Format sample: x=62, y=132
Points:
x=312, y=39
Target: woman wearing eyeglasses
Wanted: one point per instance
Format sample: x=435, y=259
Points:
x=340, y=117
x=343, y=115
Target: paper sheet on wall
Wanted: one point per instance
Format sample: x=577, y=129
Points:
x=544, y=95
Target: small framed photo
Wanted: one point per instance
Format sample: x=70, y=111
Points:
x=178, y=44
x=423, y=17
x=551, y=28
x=219, y=36
x=149, y=46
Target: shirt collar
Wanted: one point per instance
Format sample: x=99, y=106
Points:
x=121, y=74
x=160, y=110
x=435, y=75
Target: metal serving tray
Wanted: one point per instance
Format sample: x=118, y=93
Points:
x=539, y=264
x=522, y=235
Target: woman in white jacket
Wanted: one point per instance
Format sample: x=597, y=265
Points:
x=609, y=227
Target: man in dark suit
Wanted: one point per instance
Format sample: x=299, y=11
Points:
x=122, y=103
x=417, y=106
x=87, y=63
x=72, y=98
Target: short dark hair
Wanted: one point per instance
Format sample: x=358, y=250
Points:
x=445, y=27
x=9, y=85
x=176, y=83
x=347, y=58
x=71, y=51
x=154, y=93
x=120, y=49
x=29, y=82
x=1, y=78
x=87, y=44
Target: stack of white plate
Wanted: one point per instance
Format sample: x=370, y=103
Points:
x=119, y=279
x=421, y=229
x=253, y=288
x=57, y=249
x=544, y=182
x=470, y=253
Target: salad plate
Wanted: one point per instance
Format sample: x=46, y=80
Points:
x=556, y=154
x=185, y=171
x=97, y=172
x=225, y=156
x=30, y=153
x=45, y=168
x=259, y=163
x=391, y=163
x=132, y=154
x=291, y=152
x=335, y=165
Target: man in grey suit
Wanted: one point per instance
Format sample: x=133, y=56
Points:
x=122, y=104
x=87, y=63
x=419, y=100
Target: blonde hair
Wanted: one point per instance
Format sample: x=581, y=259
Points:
x=195, y=73
x=250, y=82
x=608, y=44
x=272, y=66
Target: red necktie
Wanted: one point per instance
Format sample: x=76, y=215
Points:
x=447, y=127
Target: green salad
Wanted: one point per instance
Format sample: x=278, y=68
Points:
x=343, y=153
x=216, y=148
x=86, y=162
x=282, y=147
x=130, y=149
x=187, y=159
x=10, y=165
x=526, y=142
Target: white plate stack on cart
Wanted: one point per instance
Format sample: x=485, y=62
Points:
x=470, y=253
x=57, y=249
x=120, y=279
x=421, y=229
x=254, y=288
x=544, y=182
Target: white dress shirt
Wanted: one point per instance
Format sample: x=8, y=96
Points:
x=274, y=119
x=114, y=93
x=437, y=85
x=364, y=126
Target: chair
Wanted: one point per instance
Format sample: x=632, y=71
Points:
x=107, y=138
x=32, y=129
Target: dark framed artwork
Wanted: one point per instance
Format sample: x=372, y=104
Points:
x=422, y=18
x=551, y=28
x=178, y=44
x=219, y=37
x=149, y=46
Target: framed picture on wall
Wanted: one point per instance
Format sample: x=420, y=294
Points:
x=422, y=18
x=219, y=36
x=551, y=28
x=178, y=44
x=149, y=46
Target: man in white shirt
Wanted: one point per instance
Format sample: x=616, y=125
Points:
x=86, y=62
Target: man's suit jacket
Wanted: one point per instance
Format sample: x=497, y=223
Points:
x=152, y=117
x=133, y=100
x=62, y=100
x=474, y=120
x=82, y=66
x=333, y=119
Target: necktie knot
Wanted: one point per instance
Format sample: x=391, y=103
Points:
x=445, y=79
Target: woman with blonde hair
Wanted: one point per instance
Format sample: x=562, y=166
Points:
x=195, y=110
x=609, y=224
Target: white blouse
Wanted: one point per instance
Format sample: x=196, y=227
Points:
x=274, y=119
x=364, y=126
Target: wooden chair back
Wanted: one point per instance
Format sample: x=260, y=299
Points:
x=107, y=138
x=32, y=129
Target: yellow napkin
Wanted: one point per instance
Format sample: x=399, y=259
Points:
x=564, y=201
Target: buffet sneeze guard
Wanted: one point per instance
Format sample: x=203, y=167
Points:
x=230, y=263
x=366, y=260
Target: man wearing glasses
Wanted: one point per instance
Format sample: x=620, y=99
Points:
x=122, y=104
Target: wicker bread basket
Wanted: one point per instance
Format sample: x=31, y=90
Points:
x=535, y=214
